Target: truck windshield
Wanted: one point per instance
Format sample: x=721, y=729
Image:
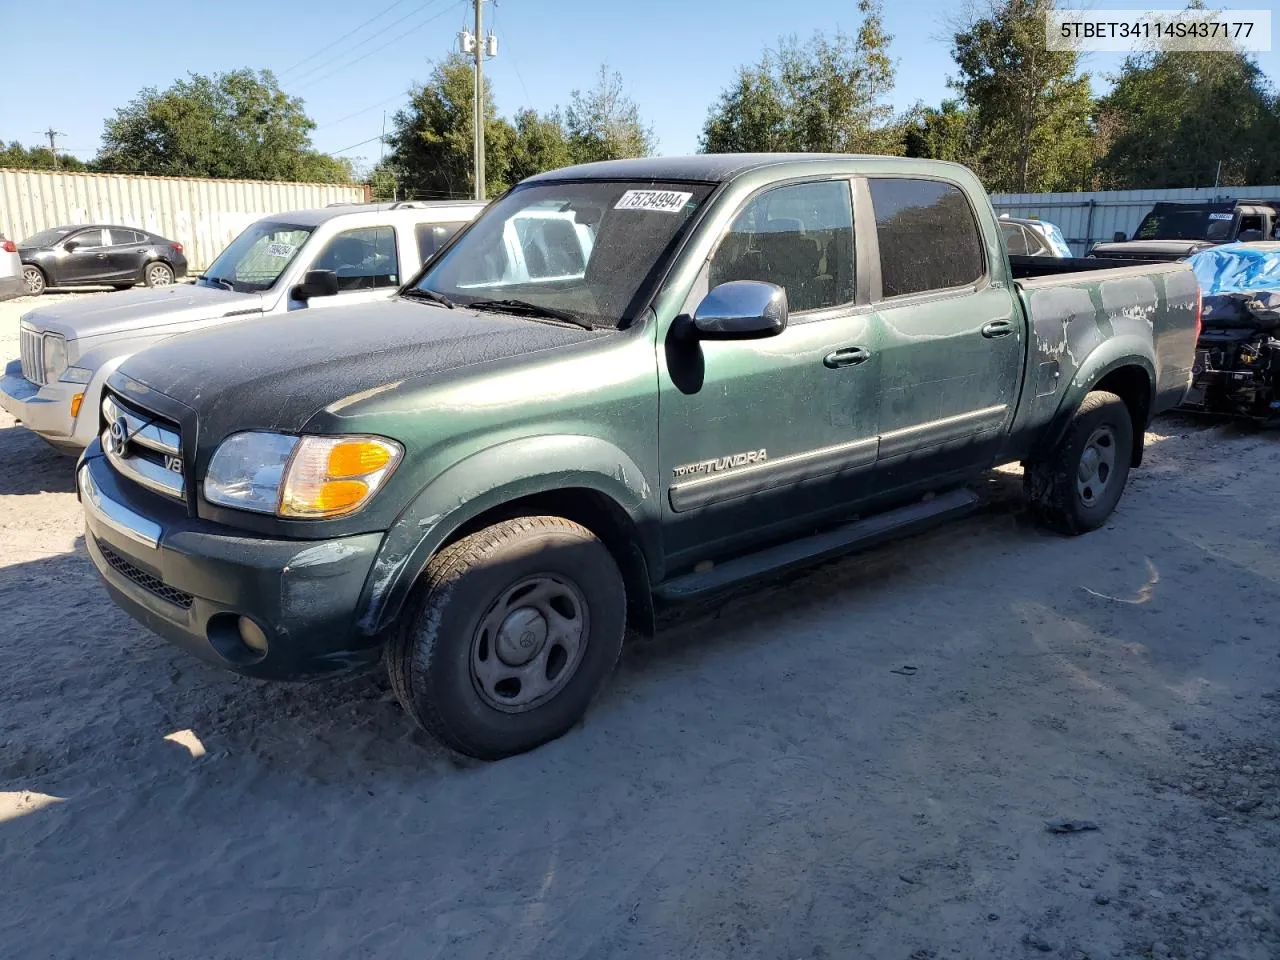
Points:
x=254, y=260
x=587, y=248
x=1193, y=224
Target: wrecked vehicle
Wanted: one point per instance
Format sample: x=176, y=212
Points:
x=1173, y=231
x=1237, y=368
x=626, y=383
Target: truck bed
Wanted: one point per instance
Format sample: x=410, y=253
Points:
x=1024, y=267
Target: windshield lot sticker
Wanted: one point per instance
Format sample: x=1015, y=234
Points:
x=281, y=250
x=1221, y=216
x=661, y=201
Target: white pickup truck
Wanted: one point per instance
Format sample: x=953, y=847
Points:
x=362, y=252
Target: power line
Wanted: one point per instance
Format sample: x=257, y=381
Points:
x=334, y=153
x=344, y=38
x=363, y=110
x=309, y=73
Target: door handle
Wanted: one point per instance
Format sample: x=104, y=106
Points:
x=997, y=328
x=848, y=357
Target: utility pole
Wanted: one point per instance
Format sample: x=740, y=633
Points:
x=52, y=134
x=478, y=46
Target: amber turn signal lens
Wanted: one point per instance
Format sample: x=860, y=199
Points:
x=75, y=404
x=356, y=458
x=335, y=476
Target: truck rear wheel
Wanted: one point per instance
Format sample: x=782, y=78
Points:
x=1076, y=487
x=511, y=633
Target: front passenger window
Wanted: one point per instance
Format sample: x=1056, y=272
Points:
x=798, y=236
x=363, y=259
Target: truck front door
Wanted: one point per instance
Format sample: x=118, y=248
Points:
x=758, y=437
x=953, y=335
x=366, y=261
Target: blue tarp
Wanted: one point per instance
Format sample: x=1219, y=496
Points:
x=1236, y=268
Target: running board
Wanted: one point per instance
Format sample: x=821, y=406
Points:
x=843, y=539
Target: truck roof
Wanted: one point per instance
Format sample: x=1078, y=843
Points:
x=721, y=167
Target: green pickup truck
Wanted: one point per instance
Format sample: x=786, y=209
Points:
x=624, y=384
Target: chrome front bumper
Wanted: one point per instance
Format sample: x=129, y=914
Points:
x=109, y=513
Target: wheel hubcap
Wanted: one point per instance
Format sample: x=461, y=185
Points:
x=1097, y=465
x=33, y=279
x=529, y=643
x=159, y=276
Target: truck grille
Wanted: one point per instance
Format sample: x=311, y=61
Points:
x=179, y=598
x=31, y=346
x=143, y=447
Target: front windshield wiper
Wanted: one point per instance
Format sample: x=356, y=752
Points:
x=530, y=309
x=421, y=293
x=220, y=281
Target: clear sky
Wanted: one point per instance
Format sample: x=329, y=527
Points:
x=70, y=63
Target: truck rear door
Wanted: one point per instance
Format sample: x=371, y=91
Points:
x=953, y=336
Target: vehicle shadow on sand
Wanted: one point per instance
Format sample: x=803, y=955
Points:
x=29, y=465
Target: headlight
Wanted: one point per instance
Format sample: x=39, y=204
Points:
x=55, y=356
x=306, y=477
x=76, y=375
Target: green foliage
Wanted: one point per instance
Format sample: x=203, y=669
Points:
x=16, y=156
x=1027, y=107
x=826, y=95
x=938, y=133
x=1171, y=117
x=238, y=124
x=431, y=140
x=604, y=123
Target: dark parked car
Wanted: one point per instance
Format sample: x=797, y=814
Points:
x=99, y=254
x=1174, y=231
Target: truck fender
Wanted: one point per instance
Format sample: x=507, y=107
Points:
x=1112, y=355
x=485, y=481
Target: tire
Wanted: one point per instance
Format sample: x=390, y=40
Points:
x=35, y=280
x=122, y=286
x=481, y=605
x=157, y=274
x=1077, y=486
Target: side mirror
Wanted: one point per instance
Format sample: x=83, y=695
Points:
x=741, y=310
x=316, y=283
x=71, y=245
x=1118, y=237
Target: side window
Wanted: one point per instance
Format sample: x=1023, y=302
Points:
x=363, y=258
x=1014, y=239
x=800, y=237
x=432, y=236
x=89, y=238
x=928, y=237
x=122, y=238
x=1035, y=244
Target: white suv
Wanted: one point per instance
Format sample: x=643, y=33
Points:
x=303, y=260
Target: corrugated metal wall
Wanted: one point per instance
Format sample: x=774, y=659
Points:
x=1086, y=218
x=203, y=215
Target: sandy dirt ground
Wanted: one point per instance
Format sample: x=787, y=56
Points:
x=856, y=763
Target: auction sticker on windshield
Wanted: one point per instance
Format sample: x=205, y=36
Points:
x=663, y=201
x=282, y=250
x=1221, y=216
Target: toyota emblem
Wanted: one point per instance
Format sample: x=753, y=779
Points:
x=119, y=434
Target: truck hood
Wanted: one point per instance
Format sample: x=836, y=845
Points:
x=275, y=373
x=1150, y=249
x=131, y=310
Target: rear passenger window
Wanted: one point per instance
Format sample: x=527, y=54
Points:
x=1014, y=239
x=433, y=236
x=798, y=236
x=928, y=237
x=363, y=259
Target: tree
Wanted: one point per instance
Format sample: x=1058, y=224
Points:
x=1028, y=107
x=539, y=144
x=431, y=138
x=604, y=123
x=16, y=156
x=827, y=95
x=238, y=124
x=1171, y=117
x=937, y=133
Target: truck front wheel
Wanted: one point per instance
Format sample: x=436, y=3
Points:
x=1076, y=487
x=512, y=631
